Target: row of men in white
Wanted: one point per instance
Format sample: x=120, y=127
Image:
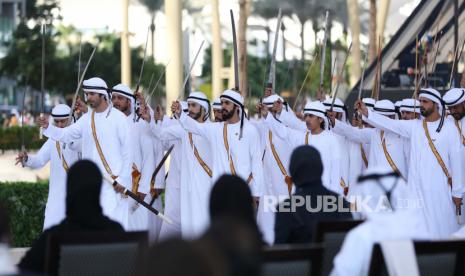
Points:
x=259, y=151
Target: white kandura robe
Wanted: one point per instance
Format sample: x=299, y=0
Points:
x=356, y=163
x=325, y=143
x=143, y=158
x=462, y=152
x=372, y=136
x=355, y=255
x=154, y=223
x=426, y=177
x=196, y=184
x=245, y=153
x=172, y=189
x=55, y=210
x=275, y=185
x=113, y=136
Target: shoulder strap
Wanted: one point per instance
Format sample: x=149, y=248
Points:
x=388, y=156
x=287, y=178
x=364, y=156
x=226, y=146
x=459, y=128
x=62, y=157
x=436, y=153
x=99, y=149
x=197, y=155
x=306, y=137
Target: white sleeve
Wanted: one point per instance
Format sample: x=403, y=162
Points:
x=172, y=132
x=357, y=135
x=68, y=134
x=455, y=161
x=400, y=127
x=42, y=157
x=125, y=142
x=336, y=170
x=288, y=118
x=148, y=161
x=257, y=164
x=195, y=127
x=294, y=137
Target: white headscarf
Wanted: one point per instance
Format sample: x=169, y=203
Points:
x=369, y=102
x=125, y=91
x=202, y=100
x=60, y=111
x=385, y=107
x=378, y=183
x=454, y=96
x=435, y=96
x=216, y=104
x=338, y=107
x=237, y=99
x=410, y=105
x=96, y=85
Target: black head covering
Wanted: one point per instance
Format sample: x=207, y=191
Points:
x=305, y=166
x=84, y=183
x=231, y=196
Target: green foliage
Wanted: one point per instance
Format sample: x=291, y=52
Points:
x=25, y=203
x=61, y=64
x=10, y=138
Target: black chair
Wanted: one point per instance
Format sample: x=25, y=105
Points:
x=97, y=253
x=445, y=258
x=331, y=235
x=295, y=259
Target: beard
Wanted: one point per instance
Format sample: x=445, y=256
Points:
x=228, y=115
x=425, y=112
x=195, y=116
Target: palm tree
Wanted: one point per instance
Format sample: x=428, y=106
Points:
x=372, y=35
x=152, y=6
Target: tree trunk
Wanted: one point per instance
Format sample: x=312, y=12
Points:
x=302, y=40
x=152, y=36
x=174, y=71
x=217, y=52
x=354, y=23
x=381, y=18
x=125, y=50
x=372, y=36
x=244, y=8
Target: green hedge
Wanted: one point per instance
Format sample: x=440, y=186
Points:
x=25, y=203
x=10, y=138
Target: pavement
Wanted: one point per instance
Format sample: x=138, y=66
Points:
x=9, y=172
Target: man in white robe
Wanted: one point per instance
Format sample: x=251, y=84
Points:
x=386, y=148
x=315, y=135
x=196, y=170
x=385, y=221
x=276, y=154
x=455, y=101
x=435, y=172
x=339, y=110
x=143, y=159
x=105, y=141
x=172, y=184
x=234, y=142
x=61, y=156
